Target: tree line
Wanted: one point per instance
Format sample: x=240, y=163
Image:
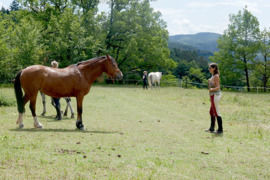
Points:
x=69, y=31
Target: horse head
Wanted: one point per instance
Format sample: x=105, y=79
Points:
x=111, y=68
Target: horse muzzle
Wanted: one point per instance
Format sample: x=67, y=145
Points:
x=119, y=76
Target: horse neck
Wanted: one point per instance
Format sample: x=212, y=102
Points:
x=92, y=70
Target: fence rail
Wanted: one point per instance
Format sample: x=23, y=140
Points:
x=173, y=82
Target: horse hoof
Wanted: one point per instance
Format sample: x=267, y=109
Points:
x=79, y=125
x=65, y=113
x=21, y=126
x=38, y=125
x=81, y=129
x=72, y=116
x=43, y=114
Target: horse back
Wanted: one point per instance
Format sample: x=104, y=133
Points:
x=52, y=81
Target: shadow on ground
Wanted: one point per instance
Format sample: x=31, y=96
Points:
x=53, y=118
x=65, y=130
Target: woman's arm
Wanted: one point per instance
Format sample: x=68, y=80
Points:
x=217, y=84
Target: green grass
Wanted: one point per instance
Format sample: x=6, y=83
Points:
x=136, y=134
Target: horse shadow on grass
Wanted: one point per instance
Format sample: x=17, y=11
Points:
x=33, y=130
x=50, y=119
x=53, y=118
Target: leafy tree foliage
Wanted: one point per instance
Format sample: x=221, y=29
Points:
x=263, y=67
x=190, y=66
x=238, y=46
x=15, y=6
x=38, y=31
x=137, y=37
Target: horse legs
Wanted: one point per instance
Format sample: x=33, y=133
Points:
x=52, y=102
x=68, y=100
x=79, y=123
x=20, y=118
x=66, y=110
x=70, y=107
x=33, y=111
x=44, y=103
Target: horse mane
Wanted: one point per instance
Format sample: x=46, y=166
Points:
x=91, y=61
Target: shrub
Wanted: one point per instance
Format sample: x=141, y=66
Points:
x=169, y=80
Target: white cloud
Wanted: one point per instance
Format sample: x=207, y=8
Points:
x=182, y=26
x=1, y=5
x=179, y=21
x=192, y=16
x=172, y=12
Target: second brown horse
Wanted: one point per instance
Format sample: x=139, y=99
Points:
x=72, y=81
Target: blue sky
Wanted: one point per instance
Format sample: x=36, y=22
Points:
x=193, y=16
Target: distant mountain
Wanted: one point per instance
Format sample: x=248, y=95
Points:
x=205, y=41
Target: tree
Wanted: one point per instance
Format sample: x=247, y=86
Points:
x=196, y=75
x=15, y=6
x=72, y=30
x=137, y=37
x=86, y=5
x=27, y=46
x=263, y=66
x=4, y=11
x=4, y=50
x=239, y=46
x=66, y=39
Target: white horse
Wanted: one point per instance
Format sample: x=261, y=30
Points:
x=154, y=78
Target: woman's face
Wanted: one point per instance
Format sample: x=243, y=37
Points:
x=211, y=70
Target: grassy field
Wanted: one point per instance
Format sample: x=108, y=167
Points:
x=136, y=134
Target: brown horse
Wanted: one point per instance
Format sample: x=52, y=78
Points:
x=72, y=81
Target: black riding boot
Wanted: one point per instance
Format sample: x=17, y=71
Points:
x=56, y=104
x=220, y=128
x=58, y=111
x=212, y=126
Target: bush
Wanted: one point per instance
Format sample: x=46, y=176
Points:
x=169, y=80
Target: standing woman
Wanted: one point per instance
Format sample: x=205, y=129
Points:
x=145, y=80
x=56, y=101
x=215, y=95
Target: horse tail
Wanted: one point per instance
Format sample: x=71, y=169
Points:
x=19, y=93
